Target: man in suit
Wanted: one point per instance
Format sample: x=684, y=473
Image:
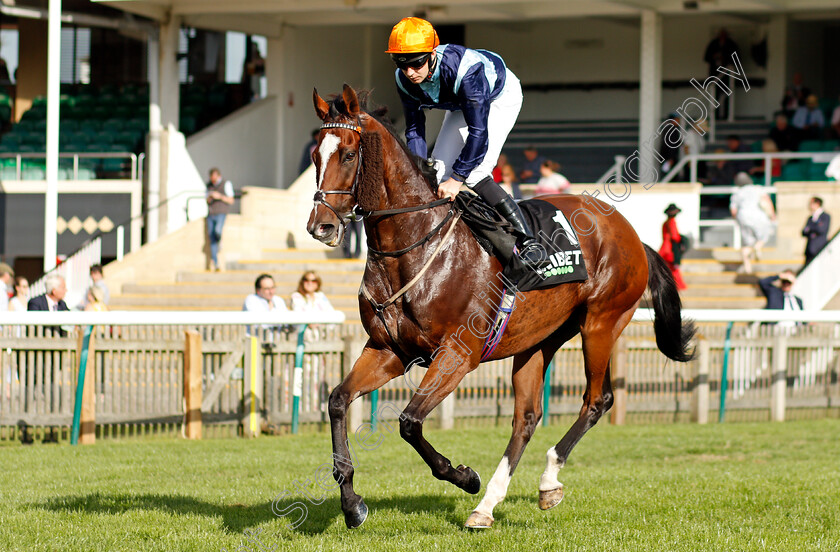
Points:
x=816, y=229
x=781, y=298
x=53, y=300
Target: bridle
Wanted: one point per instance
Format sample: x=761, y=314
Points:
x=359, y=214
x=320, y=195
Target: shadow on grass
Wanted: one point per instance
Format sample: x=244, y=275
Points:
x=239, y=517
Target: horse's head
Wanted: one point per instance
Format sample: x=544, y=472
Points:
x=343, y=158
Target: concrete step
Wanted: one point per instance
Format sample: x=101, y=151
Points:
x=723, y=302
x=723, y=278
x=301, y=266
x=351, y=315
x=229, y=288
x=302, y=254
x=211, y=301
x=721, y=291
x=773, y=266
x=281, y=275
x=768, y=254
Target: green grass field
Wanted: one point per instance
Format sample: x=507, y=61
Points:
x=731, y=487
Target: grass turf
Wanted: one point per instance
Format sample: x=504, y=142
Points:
x=641, y=488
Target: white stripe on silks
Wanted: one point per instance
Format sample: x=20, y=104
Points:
x=496, y=489
x=548, y=481
x=328, y=146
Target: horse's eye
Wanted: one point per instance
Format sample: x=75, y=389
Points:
x=349, y=156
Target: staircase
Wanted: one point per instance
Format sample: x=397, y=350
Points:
x=204, y=290
x=714, y=281
x=712, y=277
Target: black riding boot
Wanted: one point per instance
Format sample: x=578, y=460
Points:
x=509, y=209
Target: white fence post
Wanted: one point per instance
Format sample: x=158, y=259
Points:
x=779, y=385
x=353, y=347
x=700, y=397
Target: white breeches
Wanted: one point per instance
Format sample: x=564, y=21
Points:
x=453, y=133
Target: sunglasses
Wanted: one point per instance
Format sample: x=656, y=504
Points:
x=416, y=63
x=310, y=280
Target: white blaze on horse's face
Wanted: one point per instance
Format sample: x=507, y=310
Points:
x=328, y=147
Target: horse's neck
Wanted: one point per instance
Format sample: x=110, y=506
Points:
x=403, y=186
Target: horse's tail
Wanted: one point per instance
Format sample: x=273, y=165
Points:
x=673, y=335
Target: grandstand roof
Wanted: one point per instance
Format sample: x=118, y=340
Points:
x=267, y=17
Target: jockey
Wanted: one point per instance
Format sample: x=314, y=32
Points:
x=482, y=98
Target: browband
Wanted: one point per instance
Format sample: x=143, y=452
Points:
x=356, y=128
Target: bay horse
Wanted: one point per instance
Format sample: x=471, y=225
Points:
x=425, y=278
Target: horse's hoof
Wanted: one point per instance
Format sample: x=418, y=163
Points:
x=356, y=515
x=473, y=484
x=477, y=520
x=550, y=499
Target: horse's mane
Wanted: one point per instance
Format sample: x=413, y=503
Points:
x=380, y=114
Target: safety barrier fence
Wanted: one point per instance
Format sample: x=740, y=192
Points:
x=185, y=371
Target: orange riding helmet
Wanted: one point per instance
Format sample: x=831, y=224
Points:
x=412, y=35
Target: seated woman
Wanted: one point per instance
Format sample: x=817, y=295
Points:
x=310, y=298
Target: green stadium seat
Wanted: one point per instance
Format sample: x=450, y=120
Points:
x=129, y=139
x=188, y=124
x=8, y=162
x=33, y=173
x=795, y=171
x=100, y=112
x=86, y=173
x=756, y=146
x=810, y=145
x=830, y=145
x=137, y=125
x=39, y=101
x=5, y=112
x=112, y=125
x=35, y=112
x=816, y=171
x=8, y=173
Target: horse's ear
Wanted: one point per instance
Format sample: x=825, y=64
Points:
x=350, y=100
x=322, y=108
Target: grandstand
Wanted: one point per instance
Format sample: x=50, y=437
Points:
x=588, y=106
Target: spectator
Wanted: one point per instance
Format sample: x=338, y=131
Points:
x=671, y=245
x=500, y=165
x=219, y=199
x=726, y=170
x=551, y=182
x=718, y=54
x=531, y=168
x=509, y=183
x=310, y=298
x=264, y=299
x=816, y=229
x=670, y=154
x=21, y=296
x=355, y=228
x=753, y=210
x=98, y=280
x=53, y=300
x=781, y=298
x=7, y=276
x=95, y=299
x=768, y=146
x=835, y=122
x=784, y=135
x=809, y=119
x=795, y=95
x=308, y=150
x=694, y=143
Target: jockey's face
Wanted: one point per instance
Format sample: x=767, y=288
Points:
x=418, y=75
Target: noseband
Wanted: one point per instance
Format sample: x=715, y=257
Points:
x=321, y=195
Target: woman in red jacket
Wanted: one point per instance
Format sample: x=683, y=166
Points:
x=670, y=250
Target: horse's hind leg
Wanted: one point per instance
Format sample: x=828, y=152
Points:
x=373, y=369
x=528, y=373
x=599, y=334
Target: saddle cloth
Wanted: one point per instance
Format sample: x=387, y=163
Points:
x=557, y=260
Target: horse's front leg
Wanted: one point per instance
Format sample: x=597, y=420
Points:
x=442, y=377
x=375, y=368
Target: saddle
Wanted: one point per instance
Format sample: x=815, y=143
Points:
x=557, y=260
